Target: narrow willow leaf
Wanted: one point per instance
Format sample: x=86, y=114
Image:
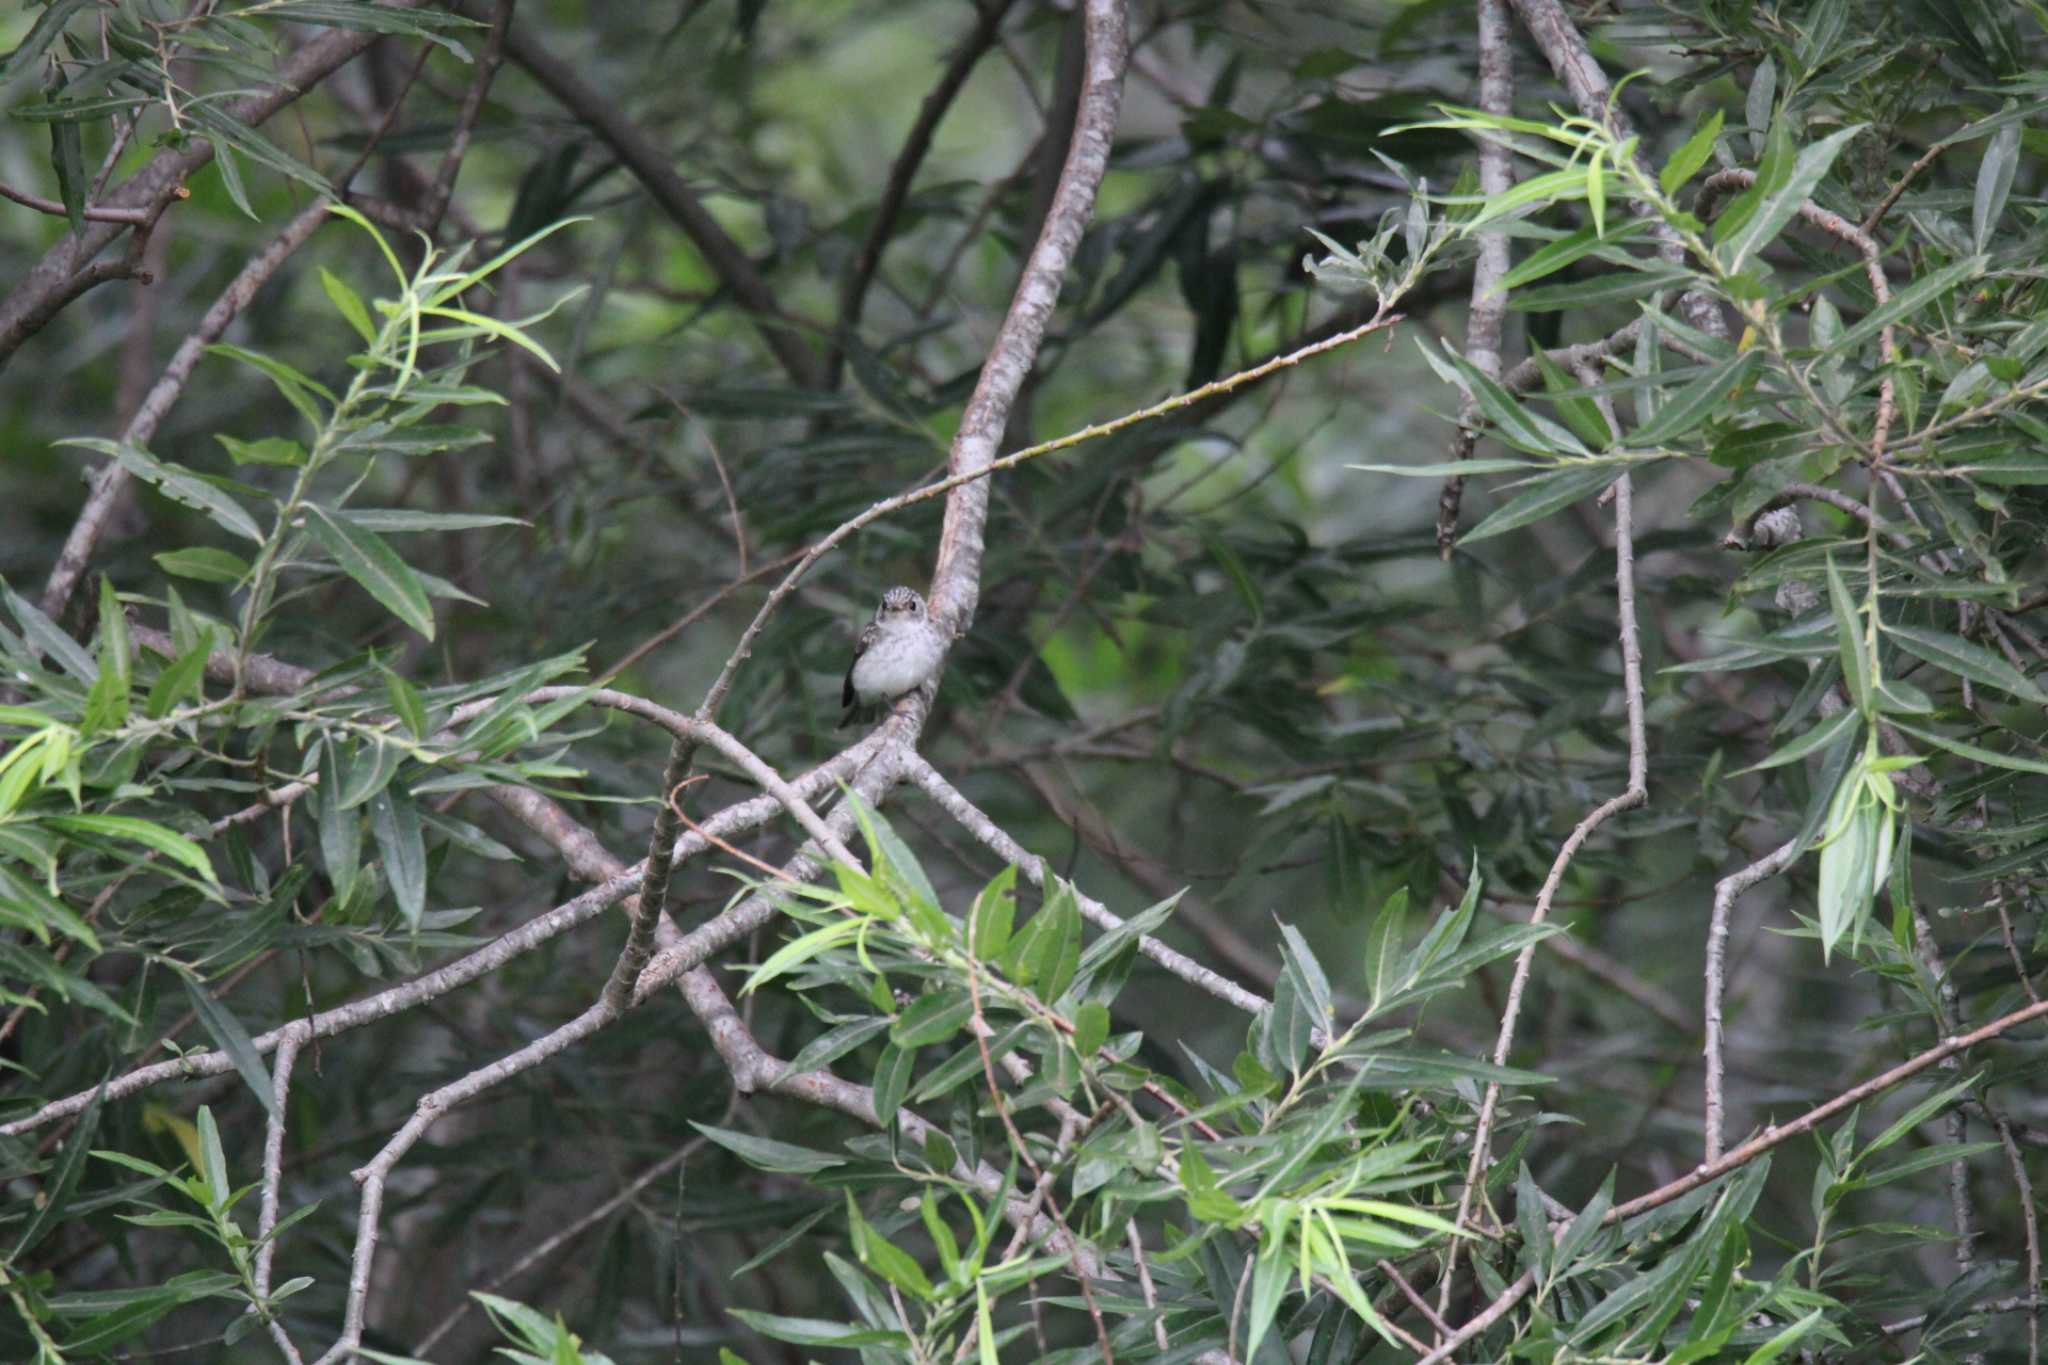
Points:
x=232, y=1039
x=1555, y=256
x=374, y=566
x=1906, y=302
x=1994, y=183
x=1515, y=424
x=349, y=304
x=769, y=1155
x=1546, y=494
x=1444, y=469
x=1846, y=861
x=1976, y=753
x=341, y=829
x=1776, y=207
x=46, y=1210
x=1680, y=412
x=180, y=485
x=1967, y=659
x=395, y=822
x=1687, y=160
x=203, y=564
x=1383, y=944
x=1843, y=722
x=147, y=833
x=1849, y=641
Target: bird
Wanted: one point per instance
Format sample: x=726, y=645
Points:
x=898, y=652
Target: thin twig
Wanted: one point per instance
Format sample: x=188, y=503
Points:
x=1636, y=793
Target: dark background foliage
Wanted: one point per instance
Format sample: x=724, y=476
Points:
x=1212, y=658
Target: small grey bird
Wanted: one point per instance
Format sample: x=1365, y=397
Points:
x=899, y=650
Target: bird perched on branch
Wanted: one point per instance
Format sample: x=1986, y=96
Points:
x=899, y=651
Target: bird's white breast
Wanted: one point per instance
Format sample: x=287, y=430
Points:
x=900, y=660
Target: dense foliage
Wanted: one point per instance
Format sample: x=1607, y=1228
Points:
x=1486, y=802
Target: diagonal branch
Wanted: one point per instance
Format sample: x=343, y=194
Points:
x=956, y=579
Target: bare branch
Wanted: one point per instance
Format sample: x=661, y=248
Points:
x=1488, y=310
x=956, y=579
x=1725, y=892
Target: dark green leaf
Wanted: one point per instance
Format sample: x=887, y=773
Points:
x=373, y=565
x=1543, y=495
x=232, y=1039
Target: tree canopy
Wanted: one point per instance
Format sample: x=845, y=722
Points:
x=1485, y=796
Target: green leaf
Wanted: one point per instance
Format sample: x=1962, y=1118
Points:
x=1776, y=206
x=1976, y=753
x=768, y=1154
x=817, y=1331
x=178, y=484
x=1543, y=495
x=1555, y=256
x=341, y=829
x=40, y=911
x=1091, y=1028
x=349, y=304
x=1053, y=953
x=1786, y=1339
x=399, y=520
x=40, y=35
x=1967, y=659
x=67, y=159
x=1906, y=302
x=1848, y=861
x=1515, y=424
x=55, y=1196
x=1310, y=982
x=405, y=700
x=167, y=842
x=1687, y=160
x=395, y=822
x=1994, y=183
x=932, y=1018
x=1383, y=944
x=233, y=1040
x=107, y=705
x=366, y=17
x=834, y=1043
x=993, y=916
x=1580, y=413
x=1849, y=642
x=884, y=1257
x=375, y=566
x=1843, y=722
x=1680, y=412
x=204, y=564
x=280, y=450
x=1444, y=469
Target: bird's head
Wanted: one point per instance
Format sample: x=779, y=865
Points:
x=900, y=605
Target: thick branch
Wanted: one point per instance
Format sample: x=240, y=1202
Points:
x=956, y=580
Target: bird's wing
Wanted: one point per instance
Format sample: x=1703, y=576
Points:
x=868, y=636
